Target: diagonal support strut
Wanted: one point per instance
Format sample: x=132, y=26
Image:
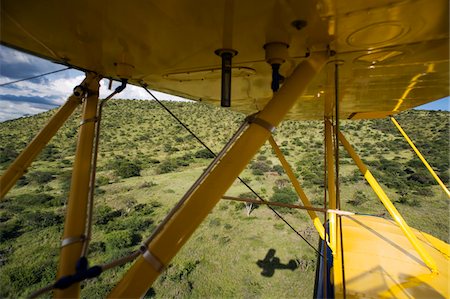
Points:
x=196, y=207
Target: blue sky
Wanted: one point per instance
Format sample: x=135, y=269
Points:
x=41, y=94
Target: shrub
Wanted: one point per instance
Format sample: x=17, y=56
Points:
x=29, y=273
x=22, y=181
x=204, y=154
x=424, y=191
x=8, y=153
x=102, y=180
x=97, y=247
x=278, y=168
x=125, y=168
x=41, y=219
x=184, y=160
x=105, y=214
x=246, y=180
x=285, y=151
x=166, y=167
x=5, y=216
x=34, y=199
x=214, y=222
x=49, y=153
x=144, y=209
x=132, y=223
x=259, y=167
x=128, y=169
x=66, y=180
x=168, y=148
x=410, y=201
x=10, y=230
x=122, y=239
x=421, y=178
x=147, y=185
x=358, y=198
x=41, y=177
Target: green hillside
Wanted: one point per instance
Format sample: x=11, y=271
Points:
x=147, y=162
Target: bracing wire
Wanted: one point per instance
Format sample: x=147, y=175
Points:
x=34, y=77
x=242, y=181
x=338, y=199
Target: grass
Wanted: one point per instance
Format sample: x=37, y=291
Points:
x=220, y=259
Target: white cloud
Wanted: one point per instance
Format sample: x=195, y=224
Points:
x=58, y=89
x=12, y=110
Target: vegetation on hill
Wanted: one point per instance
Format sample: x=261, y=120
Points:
x=147, y=162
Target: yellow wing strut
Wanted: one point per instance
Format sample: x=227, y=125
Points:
x=427, y=259
x=76, y=212
x=316, y=220
x=422, y=158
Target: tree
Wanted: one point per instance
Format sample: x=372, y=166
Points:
x=284, y=195
x=259, y=167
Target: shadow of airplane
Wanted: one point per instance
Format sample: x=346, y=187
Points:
x=270, y=263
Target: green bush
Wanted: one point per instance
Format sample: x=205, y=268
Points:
x=102, y=181
x=8, y=153
x=5, y=216
x=410, y=201
x=166, y=167
x=424, y=191
x=33, y=199
x=259, y=167
x=66, y=179
x=135, y=224
x=9, y=230
x=284, y=195
x=22, y=181
x=278, y=168
x=97, y=247
x=204, y=154
x=168, y=148
x=104, y=214
x=184, y=160
x=128, y=169
x=121, y=239
x=285, y=151
x=40, y=177
x=29, y=273
x=358, y=198
x=421, y=178
x=125, y=168
x=41, y=219
x=49, y=153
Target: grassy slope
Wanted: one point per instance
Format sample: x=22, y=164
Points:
x=220, y=259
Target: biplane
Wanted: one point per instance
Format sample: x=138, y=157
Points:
x=324, y=60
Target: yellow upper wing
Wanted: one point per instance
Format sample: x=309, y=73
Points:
x=394, y=53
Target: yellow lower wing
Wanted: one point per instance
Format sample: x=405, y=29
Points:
x=380, y=262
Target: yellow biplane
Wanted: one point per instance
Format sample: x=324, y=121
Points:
x=271, y=59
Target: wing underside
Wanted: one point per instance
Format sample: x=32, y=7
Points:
x=392, y=55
